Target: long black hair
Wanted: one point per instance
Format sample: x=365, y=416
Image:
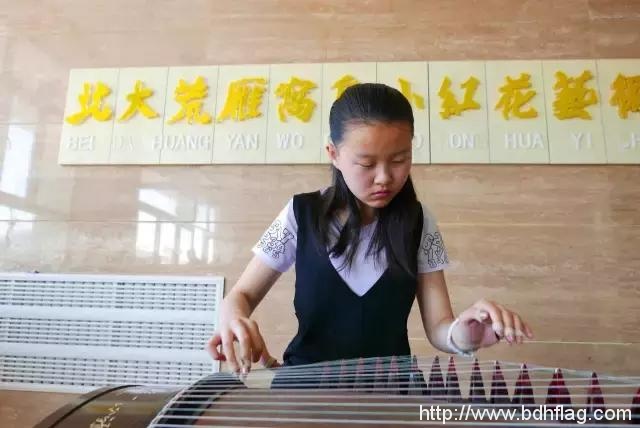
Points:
x=399, y=222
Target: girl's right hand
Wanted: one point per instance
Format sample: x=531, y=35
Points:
x=251, y=345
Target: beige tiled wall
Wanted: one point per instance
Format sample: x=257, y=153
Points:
x=560, y=244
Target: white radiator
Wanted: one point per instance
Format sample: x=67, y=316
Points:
x=74, y=333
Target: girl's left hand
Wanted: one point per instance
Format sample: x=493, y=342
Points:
x=486, y=322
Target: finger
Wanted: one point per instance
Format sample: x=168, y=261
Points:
x=243, y=357
x=212, y=347
x=518, y=326
x=229, y=351
x=494, y=314
x=257, y=342
x=509, y=331
x=492, y=335
x=483, y=316
x=268, y=361
x=528, y=330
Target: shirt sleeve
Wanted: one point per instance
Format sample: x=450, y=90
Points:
x=432, y=254
x=277, y=246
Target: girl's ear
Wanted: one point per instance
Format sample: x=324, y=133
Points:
x=332, y=152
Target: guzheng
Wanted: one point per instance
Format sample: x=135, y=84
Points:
x=390, y=391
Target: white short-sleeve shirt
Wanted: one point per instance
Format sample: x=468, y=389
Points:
x=277, y=248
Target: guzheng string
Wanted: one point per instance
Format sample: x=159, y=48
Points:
x=350, y=370
x=359, y=391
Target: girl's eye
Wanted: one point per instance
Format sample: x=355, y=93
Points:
x=400, y=160
x=366, y=165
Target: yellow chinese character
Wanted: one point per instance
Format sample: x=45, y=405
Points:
x=294, y=99
x=405, y=88
x=514, y=98
x=91, y=104
x=137, y=103
x=626, y=95
x=243, y=99
x=450, y=105
x=191, y=97
x=572, y=98
x=343, y=83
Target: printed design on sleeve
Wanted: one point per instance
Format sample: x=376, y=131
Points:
x=433, y=248
x=274, y=239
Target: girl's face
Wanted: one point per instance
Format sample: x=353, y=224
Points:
x=375, y=160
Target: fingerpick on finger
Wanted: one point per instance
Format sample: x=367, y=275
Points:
x=509, y=334
x=498, y=328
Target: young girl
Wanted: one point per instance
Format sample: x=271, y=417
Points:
x=364, y=249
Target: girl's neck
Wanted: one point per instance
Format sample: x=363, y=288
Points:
x=367, y=214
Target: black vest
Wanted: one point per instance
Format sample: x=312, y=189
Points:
x=333, y=322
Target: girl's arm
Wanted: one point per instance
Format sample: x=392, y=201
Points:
x=234, y=324
x=435, y=308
